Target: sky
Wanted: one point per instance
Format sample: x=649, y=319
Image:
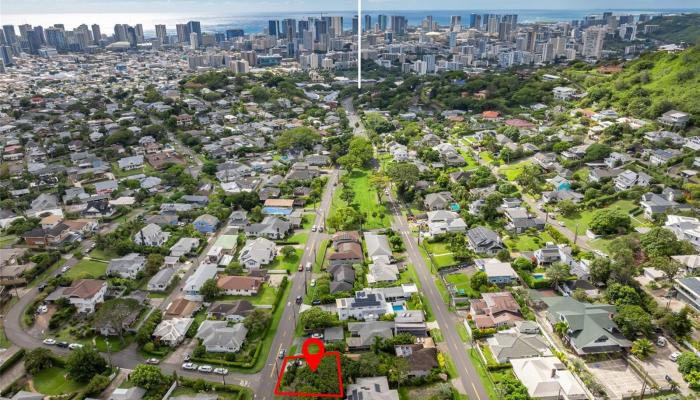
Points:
x=257, y=6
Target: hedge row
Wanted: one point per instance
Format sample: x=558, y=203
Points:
x=12, y=361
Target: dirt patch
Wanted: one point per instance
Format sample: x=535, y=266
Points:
x=41, y=322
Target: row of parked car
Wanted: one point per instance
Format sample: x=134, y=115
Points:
x=190, y=366
x=54, y=342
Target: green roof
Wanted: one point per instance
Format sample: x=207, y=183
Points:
x=227, y=242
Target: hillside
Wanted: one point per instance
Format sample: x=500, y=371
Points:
x=649, y=86
x=675, y=29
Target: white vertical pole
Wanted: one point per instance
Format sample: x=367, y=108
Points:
x=359, y=44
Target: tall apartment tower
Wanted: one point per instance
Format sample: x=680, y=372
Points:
x=96, y=34
x=162, y=33
x=593, y=42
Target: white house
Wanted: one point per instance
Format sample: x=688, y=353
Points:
x=257, y=253
x=172, y=332
x=547, y=378
x=85, y=294
x=151, y=235
x=203, y=273
x=218, y=337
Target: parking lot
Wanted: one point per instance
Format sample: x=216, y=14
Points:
x=659, y=365
x=617, y=377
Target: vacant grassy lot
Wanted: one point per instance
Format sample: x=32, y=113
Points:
x=87, y=268
x=289, y=263
x=583, y=218
x=366, y=199
x=462, y=283
x=513, y=171
x=525, y=242
x=441, y=254
x=53, y=381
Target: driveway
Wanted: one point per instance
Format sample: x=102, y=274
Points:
x=659, y=365
x=617, y=376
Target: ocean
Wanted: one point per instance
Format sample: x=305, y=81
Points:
x=256, y=22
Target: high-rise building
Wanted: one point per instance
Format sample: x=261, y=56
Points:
x=40, y=32
x=23, y=29
x=593, y=42
x=234, y=33
x=139, y=33
x=367, y=23
x=6, y=55
x=195, y=27
x=56, y=37
x=472, y=20
x=429, y=60
x=321, y=28
x=289, y=29
x=162, y=33
x=477, y=22
x=10, y=35
x=120, y=34
x=382, y=21
x=455, y=22
x=355, y=24
x=33, y=41
x=302, y=26
x=398, y=24
x=273, y=27
x=194, y=40
x=336, y=27
x=183, y=33
x=96, y=34
x=452, y=39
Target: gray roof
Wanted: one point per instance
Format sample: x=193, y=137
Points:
x=377, y=245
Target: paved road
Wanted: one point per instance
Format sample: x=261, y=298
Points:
x=285, y=331
x=447, y=321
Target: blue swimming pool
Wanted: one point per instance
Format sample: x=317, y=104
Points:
x=276, y=210
x=398, y=307
x=539, y=276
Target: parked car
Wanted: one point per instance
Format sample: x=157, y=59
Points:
x=674, y=356
x=316, y=302
x=221, y=371
x=301, y=268
x=661, y=341
x=308, y=266
x=313, y=282
x=317, y=336
x=313, y=228
x=205, y=368
x=189, y=366
x=281, y=354
x=42, y=309
x=49, y=341
x=41, y=287
x=187, y=356
x=65, y=269
x=62, y=344
x=75, y=346
x=299, y=299
x=153, y=361
x=320, y=228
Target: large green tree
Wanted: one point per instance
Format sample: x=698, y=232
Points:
x=84, y=363
x=609, y=221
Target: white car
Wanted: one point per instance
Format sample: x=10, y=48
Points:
x=313, y=282
x=317, y=336
x=313, y=228
x=42, y=309
x=49, y=341
x=65, y=269
x=152, y=361
x=221, y=371
x=74, y=346
x=189, y=366
x=674, y=356
x=205, y=368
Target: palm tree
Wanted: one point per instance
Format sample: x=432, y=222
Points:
x=643, y=348
x=561, y=328
x=557, y=273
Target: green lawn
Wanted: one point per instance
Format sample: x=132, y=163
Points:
x=87, y=268
x=52, y=382
x=513, y=171
x=462, y=332
x=526, y=242
x=366, y=199
x=264, y=297
x=583, y=218
x=443, y=290
x=300, y=238
x=487, y=157
x=6, y=240
x=462, y=283
x=441, y=254
x=103, y=254
x=291, y=264
x=483, y=374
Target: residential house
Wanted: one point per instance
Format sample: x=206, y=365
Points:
x=161, y=280
x=440, y=222
x=184, y=246
x=497, y=272
x=128, y=266
x=674, y=119
x=235, y=311
x=364, y=306
x=371, y=388
x=347, y=249
x=343, y=278
x=238, y=219
x=271, y=227
x=239, y=285
x=654, y=204
x=563, y=93
x=130, y=163
x=363, y=334
x=206, y=223
x=194, y=282
x=598, y=175
x=547, y=378
x=615, y=159
x=685, y=228
x=420, y=360
x=438, y=201
x=494, y=310
x=519, y=220
x=257, y=253
x=591, y=328
x=662, y=156
x=171, y=332
x=218, y=337
x=689, y=291
x=484, y=240
x=628, y=179
x=182, y=308
x=84, y=294
x=410, y=321
x=151, y=235
x=511, y=344
x=98, y=208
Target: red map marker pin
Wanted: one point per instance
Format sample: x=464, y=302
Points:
x=313, y=359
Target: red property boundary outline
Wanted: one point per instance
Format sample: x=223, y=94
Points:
x=307, y=394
